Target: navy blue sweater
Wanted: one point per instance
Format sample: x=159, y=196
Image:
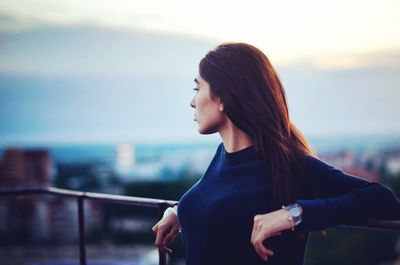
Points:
x=216, y=214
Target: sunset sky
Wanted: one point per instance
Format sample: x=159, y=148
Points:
x=289, y=30
x=97, y=71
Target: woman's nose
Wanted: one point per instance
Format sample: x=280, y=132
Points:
x=192, y=104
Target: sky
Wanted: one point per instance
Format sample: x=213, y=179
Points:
x=122, y=71
x=288, y=29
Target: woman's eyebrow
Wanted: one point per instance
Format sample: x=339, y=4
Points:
x=196, y=81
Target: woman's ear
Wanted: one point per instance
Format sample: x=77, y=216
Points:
x=221, y=104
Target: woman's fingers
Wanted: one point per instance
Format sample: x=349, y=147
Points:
x=161, y=239
x=166, y=230
x=257, y=241
x=165, y=235
x=170, y=236
x=256, y=228
x=155, y=228
x=262, y=251
x=262, y=230
x=161, y=233
x=165, y=249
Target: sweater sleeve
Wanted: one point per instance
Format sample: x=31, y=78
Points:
x=343, y=198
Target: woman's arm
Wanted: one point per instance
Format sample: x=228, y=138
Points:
x=343, y=198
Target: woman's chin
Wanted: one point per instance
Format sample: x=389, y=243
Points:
x=206, y=130
x=201, y=130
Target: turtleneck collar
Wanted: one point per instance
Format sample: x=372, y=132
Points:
x=244, y=155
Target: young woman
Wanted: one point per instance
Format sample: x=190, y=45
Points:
x=264, y=190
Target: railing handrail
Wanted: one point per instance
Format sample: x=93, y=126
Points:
x=137, y=201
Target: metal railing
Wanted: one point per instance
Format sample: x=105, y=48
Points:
x=161, y=205
x=80, y=196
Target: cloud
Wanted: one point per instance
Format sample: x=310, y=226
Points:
x=118, y=14
x=80, y=51
x=348, y=61
x=286, y=29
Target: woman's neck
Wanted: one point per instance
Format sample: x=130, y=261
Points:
x=234, y=139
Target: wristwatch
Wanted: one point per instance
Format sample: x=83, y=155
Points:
x=295, y=211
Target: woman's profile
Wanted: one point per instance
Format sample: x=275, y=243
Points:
x=264, y=189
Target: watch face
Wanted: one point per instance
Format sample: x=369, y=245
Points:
x=295, y=211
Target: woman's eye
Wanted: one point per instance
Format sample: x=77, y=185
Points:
x=196, y=89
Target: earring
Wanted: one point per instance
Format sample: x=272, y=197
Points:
x=221, y=107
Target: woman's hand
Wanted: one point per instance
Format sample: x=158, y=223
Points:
x=268, y=225
x=166, y=230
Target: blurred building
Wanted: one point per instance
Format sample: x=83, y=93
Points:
x=38, y=168
x=356, y=165
x=392, y=162
x=26, y=168
x=12, y=170
x=22, y=216
x=125, y=156
x=39, y=218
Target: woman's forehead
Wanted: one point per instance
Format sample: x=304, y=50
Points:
x=199, y=80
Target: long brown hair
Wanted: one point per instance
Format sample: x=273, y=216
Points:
x=254, y=100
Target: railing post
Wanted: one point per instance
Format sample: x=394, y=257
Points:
x=81, y=222
x=161, y=254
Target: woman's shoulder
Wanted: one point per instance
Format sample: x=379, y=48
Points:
x=312, y=160
x=313, y=165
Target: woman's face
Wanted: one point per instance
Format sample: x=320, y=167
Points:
x=208, y=114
